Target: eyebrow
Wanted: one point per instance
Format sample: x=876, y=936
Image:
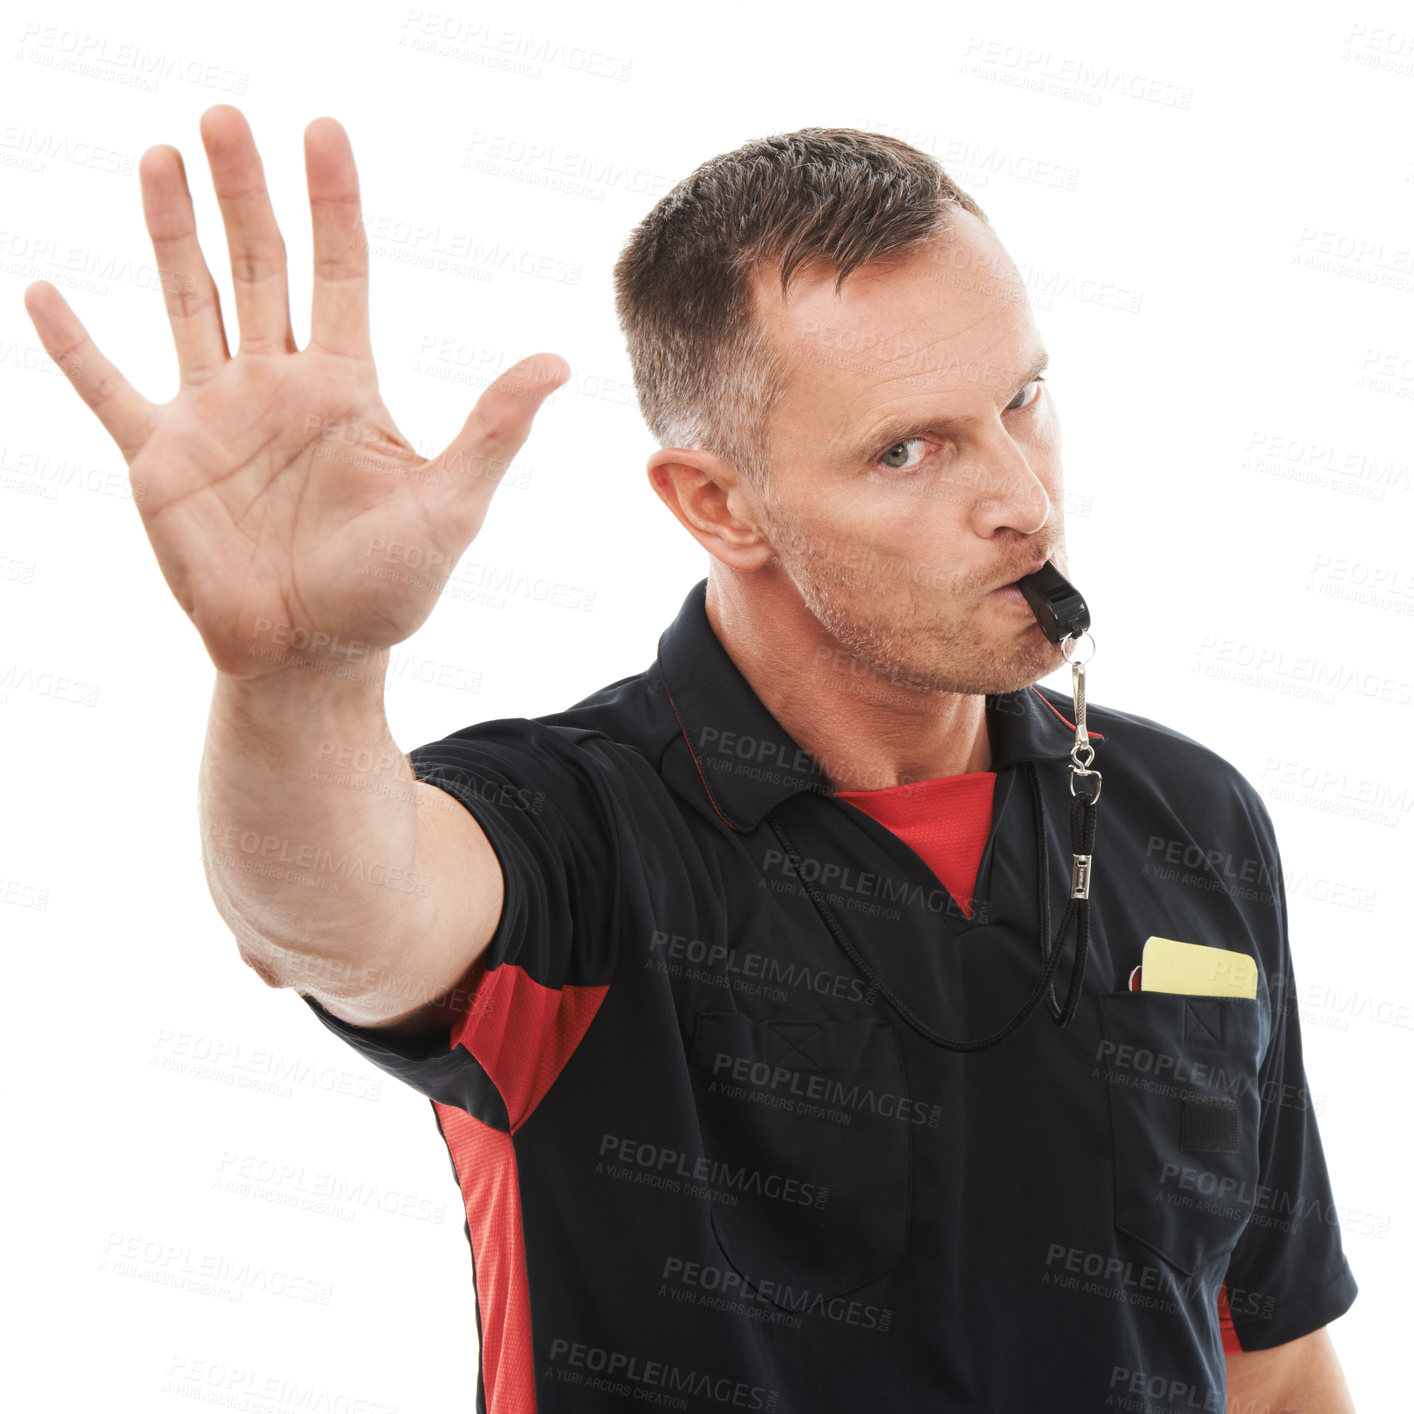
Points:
x=899, y=429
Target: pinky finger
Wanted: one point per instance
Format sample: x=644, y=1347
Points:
x=123, y=411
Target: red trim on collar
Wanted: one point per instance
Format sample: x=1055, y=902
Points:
x=695, y=761
x=1099, y=736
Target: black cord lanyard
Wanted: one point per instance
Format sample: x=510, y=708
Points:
x=1082, y=839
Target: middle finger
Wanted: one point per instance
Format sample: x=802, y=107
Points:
x=256, y=246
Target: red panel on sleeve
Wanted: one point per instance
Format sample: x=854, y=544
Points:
x=523, y=1033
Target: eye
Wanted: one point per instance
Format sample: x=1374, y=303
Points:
x=1020, y=407
x=890, y=457
x=897, y=447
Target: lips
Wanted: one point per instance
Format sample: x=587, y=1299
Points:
x=1031, y=570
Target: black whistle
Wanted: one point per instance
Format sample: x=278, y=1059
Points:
x=1056, y=602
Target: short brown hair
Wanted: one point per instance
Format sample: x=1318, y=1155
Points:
x=705, y=373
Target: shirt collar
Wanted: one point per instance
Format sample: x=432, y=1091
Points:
x=749, y=763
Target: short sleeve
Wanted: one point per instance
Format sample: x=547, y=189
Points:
x=550, y=802
x=1288, y=1274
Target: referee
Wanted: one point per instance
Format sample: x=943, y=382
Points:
x=711, y=978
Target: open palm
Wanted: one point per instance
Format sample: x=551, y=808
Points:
x=274, y=484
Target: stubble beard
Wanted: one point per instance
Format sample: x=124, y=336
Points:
x=903, y=641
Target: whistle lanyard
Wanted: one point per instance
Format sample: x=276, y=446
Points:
x=1077, y=910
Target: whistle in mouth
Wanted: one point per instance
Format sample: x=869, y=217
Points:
x=1056, y=602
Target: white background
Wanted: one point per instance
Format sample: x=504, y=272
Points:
x=1237, y=452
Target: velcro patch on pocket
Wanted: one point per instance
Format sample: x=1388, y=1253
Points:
x=1209, y=1125
x=1202, y=1023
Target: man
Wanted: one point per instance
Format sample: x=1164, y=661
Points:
x=692, y=971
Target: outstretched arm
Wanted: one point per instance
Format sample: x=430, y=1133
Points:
x=270, y=488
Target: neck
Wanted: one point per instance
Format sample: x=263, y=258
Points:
x=864, y=731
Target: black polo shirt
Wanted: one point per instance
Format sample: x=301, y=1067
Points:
x=706, y=1166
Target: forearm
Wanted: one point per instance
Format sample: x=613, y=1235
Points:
x=1301, y=1377
x=308, y=812
x=1327, y=1398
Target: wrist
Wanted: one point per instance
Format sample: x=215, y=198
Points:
x=307, y=692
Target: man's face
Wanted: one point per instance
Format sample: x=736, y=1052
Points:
x=915, y=463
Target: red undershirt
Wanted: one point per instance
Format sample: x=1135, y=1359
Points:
x=946, y=821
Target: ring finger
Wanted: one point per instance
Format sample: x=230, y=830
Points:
x=193, y=304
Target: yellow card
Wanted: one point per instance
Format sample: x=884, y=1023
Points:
x=1197, y=971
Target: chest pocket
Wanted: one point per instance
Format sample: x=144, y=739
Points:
x=812, y=1121
x=1181, y=1073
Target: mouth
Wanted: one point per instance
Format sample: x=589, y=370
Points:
x=1011, y=583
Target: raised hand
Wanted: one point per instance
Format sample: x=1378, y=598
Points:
x=266, y=483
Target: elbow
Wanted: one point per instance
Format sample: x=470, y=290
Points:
x=262, y=968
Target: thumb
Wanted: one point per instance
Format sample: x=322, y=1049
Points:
x=496, y=428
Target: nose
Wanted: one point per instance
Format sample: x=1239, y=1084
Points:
x=1006, y=492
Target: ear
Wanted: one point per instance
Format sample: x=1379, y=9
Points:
x=715, y=502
